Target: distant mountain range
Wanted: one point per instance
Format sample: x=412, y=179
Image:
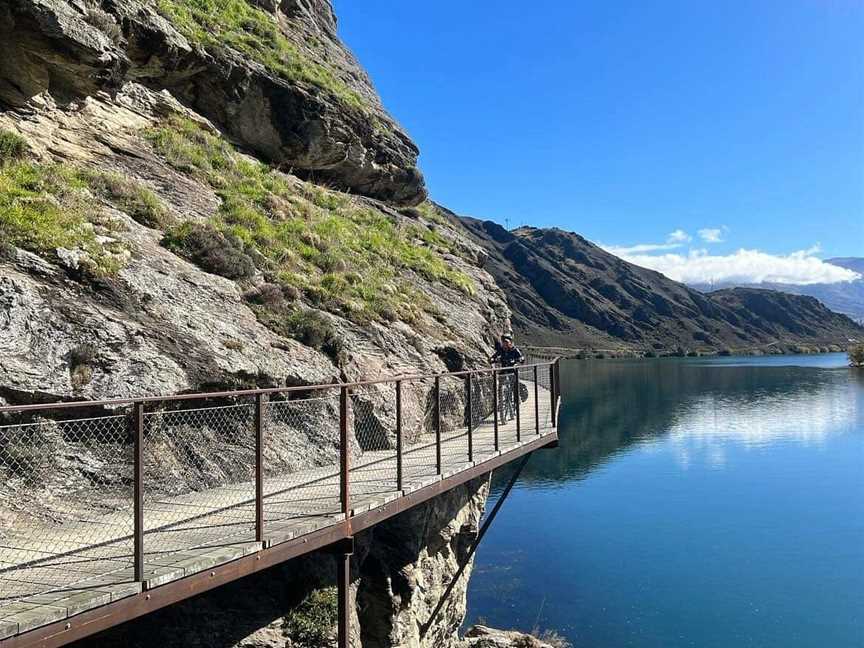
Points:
x=565, y=291
x=846, y=297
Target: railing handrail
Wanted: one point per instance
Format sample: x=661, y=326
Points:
x=467, y=418
x=8, y=409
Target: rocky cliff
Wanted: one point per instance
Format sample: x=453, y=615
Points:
x=270, y=74
x=565, y=291
x=210, y=195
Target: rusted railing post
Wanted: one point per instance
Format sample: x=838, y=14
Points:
x=343, y=589
x=470, y=422
x=518, y=404
x=398, y=435
x=557, y=384
x=552, y=391
x=344, y=452
x=438, y=424
x=536, y=401
x=260, y=401
x=558, y=373
x=138, y=491
x=495, y=407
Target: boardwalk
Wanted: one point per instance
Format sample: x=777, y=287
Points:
x=52, y=571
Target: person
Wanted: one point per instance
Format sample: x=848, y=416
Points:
x=508, y=355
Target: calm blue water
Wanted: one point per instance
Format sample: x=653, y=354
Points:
x=693, y=502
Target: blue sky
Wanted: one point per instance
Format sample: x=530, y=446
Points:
x=628, y=121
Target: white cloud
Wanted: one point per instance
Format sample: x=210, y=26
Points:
x=675, y=240
x=679, y=236
x=642, y=248
x=712, y=234
x=740, y=267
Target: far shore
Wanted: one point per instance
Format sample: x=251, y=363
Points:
x=601, y=354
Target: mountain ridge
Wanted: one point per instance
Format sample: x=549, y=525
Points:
x=845, y=297
x=567, y=292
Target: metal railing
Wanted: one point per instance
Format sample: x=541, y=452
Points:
x=130, y=489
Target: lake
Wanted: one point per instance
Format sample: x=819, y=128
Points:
x=693, y=502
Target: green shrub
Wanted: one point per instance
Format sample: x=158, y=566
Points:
x=268, y=294
x=311, y=623
x=131, y=197
x=315, y=330
x=83, y=354
x=12, y=146
x=856, y=355
x=308, y=326
x=211, y=249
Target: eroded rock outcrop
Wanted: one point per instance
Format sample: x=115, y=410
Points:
x=483, y=637
x=316, y=113
x=161, y=324
x=155, y=242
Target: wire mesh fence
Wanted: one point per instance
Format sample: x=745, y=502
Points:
x=65, y=503
x=301, y=463
x=374, y=470
x=199, y=471
x=418, y=407
x=234, y=471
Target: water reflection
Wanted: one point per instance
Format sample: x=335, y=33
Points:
x=690, y=503
x=611, y=405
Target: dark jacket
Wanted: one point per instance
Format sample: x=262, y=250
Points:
x=508, y=358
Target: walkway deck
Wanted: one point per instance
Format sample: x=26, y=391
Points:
x=90, y=563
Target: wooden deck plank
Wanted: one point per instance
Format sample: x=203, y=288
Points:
x=89, y=563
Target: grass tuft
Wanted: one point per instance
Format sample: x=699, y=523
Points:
x=215, y=24
x=131, y=197
x=211, y=249
x=44, y=207
x=345, y=257
x=12, y=146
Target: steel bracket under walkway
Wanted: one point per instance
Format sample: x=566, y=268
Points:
x=483, y=529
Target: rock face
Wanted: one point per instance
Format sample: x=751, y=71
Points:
x=483, y=637
x=335, y=130
x=91, y=87
x=565, y=291
x=164, y=325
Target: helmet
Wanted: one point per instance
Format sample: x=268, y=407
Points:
x=507, y=336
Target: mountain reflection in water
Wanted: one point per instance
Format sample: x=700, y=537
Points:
x=691, y=503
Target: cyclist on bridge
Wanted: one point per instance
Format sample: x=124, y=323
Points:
x=508, y=354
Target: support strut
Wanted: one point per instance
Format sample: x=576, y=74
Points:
x=483, y=529
x=342, y=552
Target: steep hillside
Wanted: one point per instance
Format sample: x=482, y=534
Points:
x=270, y=74
x=206, y=195
x=846, y=297
x=565, y=291
x=786, y=316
